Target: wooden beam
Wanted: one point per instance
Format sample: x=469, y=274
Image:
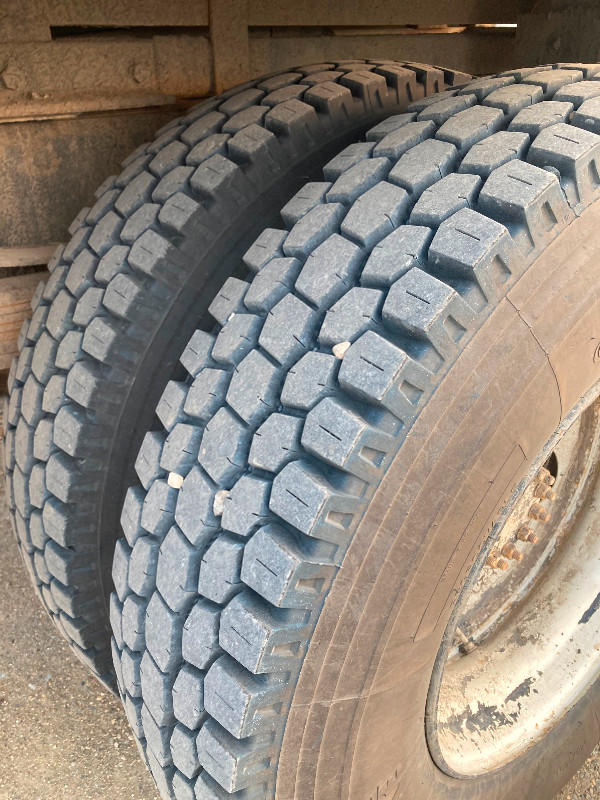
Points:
x=31, y=256
x=477, y=53
x=15, y=298
x=138, y=13
x=229, y=42
x=381, y=12
x=80, y=73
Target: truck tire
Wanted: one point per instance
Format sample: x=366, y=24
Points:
x=312, y=551
x=129, y=288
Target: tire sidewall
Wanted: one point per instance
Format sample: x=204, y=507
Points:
x=356, y=727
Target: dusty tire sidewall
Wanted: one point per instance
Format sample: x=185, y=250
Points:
x=356, y=728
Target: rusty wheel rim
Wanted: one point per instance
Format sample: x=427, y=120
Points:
x=523, y=643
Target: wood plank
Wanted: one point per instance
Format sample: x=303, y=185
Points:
x=84, y=68
x=30, y=256
x=229, y=42
x=477, y=53
x=68, y=107
x=15, y=298
x=381, y=12
x=129, y=13
x=23, y=21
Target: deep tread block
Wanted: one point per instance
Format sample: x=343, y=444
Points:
x=396, y=254
x=577, y=93
x=446, y=108
x=243, y=703
x=147, y=463
x=276, y=442
x=486, y=156
x=311, y=195
x=587, y=115
x=445, y=198
x=485, y=86
x=389, y=125
x=260, y=637
x=267, y=246
x=376, y=213
x=575, y=154
x=196, y=355
x=423, y=165
x=308, y=381
x=133, y=622
x=229, y=300
x=206, y=394
x=157, y=690
x=469, y=245
x=188, y=697
x=177, y=554
x=313, y=228
x=528, y=200
x=275, y=567
x=232, y=763
x=237, y=337
x=329, y=271
x=220, y=569
x=183, y=749
x=349, y=157
x=246, y=506
x=163, y=633
x=535, y=118
x=552, y=80
x=340, y=437
x=224, y=447
x=170, y=404
x=142, y=566
x=470, y=126
x=180, y=449
x=194, y=511
x=289, y=344
x=399, y=141
x=422, y=306
x=514, y=98
x=271, y=284
x=159, y=507
x=201, y=634
x=304, y=498
x=356, y=180
x=379, y=372
x=353, y=314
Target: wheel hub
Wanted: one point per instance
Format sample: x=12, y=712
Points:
x=524, y=641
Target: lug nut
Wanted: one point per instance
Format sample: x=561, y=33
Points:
x=525, y=534
x=538, y=511
x=545, y=476
x=495, y=562
x=545, y=492
x=510, y=551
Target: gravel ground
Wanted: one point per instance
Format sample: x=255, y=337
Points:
x=62, y=734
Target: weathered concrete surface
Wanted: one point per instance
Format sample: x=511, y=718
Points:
x=62, y=735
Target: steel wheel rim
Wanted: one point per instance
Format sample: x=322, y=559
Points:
x=502, y=680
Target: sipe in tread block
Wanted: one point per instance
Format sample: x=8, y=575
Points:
x=354, y=332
